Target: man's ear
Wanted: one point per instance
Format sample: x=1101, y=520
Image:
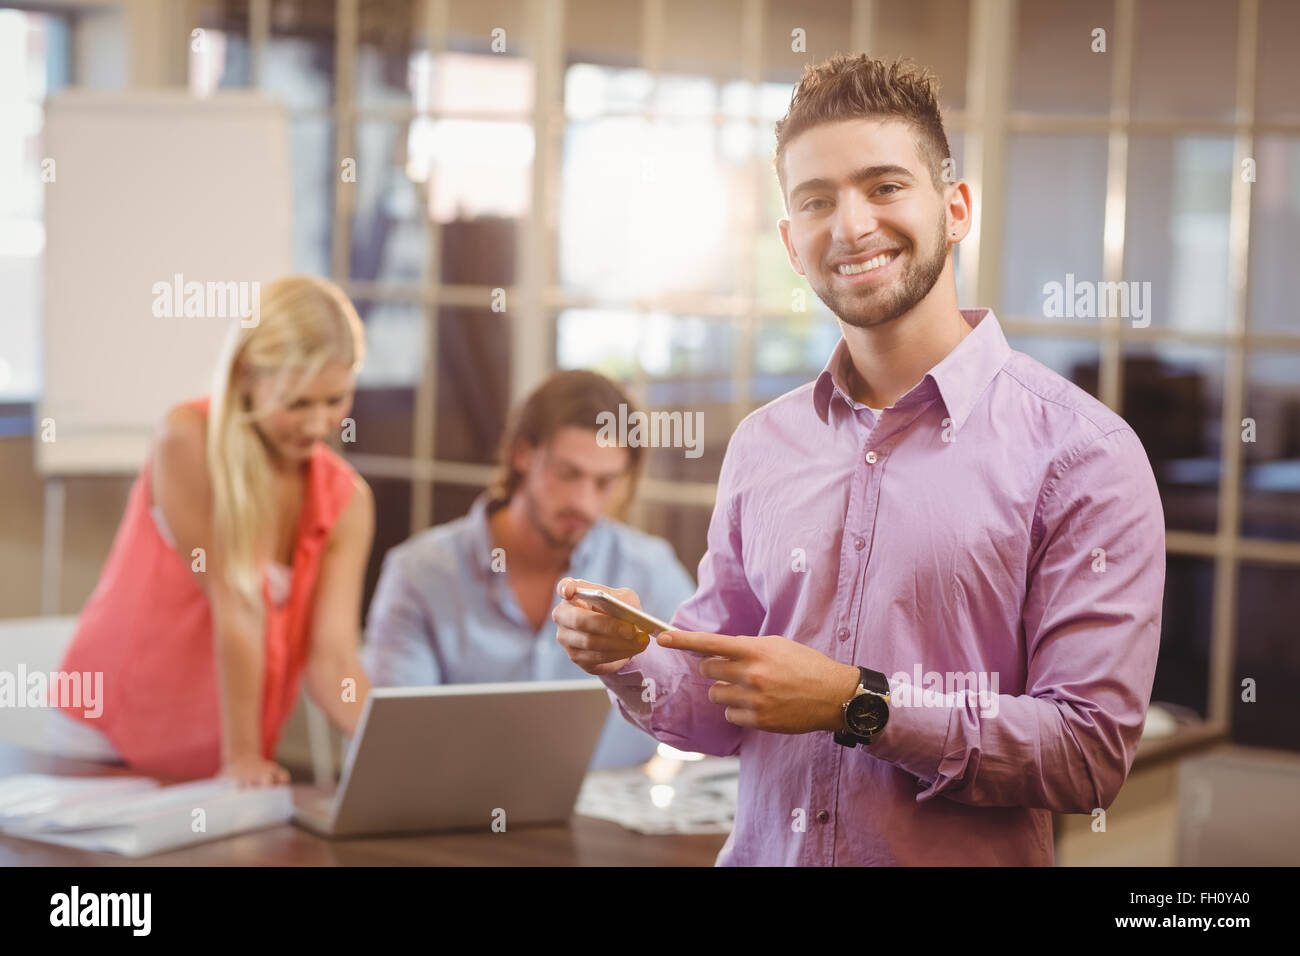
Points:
x=783, y=226
x=521, y=456
x=960, y=211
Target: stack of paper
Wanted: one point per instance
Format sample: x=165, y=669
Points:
x=134, y=816
x=699, y=798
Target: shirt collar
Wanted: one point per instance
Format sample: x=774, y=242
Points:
x=959, y=379
x=481, y=537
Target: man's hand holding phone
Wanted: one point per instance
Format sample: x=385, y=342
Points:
x=594, y=639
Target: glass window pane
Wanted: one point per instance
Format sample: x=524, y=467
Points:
x=481, y=252
x=699, y=428
x=220, y=57
x=1268, y=606
x=591, y=91
x=383, y=416
x=312, y=149
x=1183, y=666
x=384, y=407
x=781, y=290
x=395, y=343
x=627, y=186
x=1056, y=69
x=677, y=365
x=686, y=527
x=789, y=353
x=1274, y=234
x=472, y=168
x=1173, y=399
x=473, y=383
x=452, y=501
x=824, y=27
x=1052, y=181
x=33, y=64
x=1185, y=60
x=298, y=67
x=934, y=33
x=703, y=38
x=630, y=345
x=1278, y=76
x=684, y=96
x=1270, y=498
x=392, y=525
x=597, y=31
x=474, y=85
x=1176, y=236
x=1075, y=359
x=390, y=235
x=603, y=340
x=500, y=27
x=390, y=38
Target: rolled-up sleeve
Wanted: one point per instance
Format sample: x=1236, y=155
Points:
x=399, y=647
x=1091, y=625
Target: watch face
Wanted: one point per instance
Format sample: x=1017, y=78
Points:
x=867, y=714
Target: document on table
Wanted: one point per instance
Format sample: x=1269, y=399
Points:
x=699, y=798
x=134, y=816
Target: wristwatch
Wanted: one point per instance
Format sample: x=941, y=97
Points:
x=866, y=714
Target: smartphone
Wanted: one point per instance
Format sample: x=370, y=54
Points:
x=621, y=610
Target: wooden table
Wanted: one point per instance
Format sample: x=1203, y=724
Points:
x=580, y=842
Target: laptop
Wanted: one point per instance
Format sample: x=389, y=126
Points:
x=461, y=757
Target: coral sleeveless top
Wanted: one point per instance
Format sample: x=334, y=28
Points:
x=148, y=628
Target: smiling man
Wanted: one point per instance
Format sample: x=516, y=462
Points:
x=935, y=513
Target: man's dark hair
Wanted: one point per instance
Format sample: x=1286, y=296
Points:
x=576, y=398
x=860, y=87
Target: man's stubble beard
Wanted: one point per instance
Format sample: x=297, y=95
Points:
x=865, y=311
x=534, y=512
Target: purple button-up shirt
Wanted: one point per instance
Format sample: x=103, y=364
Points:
x=994, y=544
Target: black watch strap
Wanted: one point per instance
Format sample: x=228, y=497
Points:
x=874, y=680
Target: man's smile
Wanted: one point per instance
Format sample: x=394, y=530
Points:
x=867, y=271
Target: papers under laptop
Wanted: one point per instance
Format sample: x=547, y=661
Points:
x=134, y=816
x=462, y=756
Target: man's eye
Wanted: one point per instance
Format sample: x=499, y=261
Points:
x=814, y=203
x=891, y=186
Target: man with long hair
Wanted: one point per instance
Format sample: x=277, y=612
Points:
x=470, y=601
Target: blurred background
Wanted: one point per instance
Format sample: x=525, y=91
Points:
x=607, y=163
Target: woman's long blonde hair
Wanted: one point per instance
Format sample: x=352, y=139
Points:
x=303, y=324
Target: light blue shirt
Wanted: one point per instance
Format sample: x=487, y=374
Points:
x=442, y=615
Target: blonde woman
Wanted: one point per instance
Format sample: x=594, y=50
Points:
x=237, y=569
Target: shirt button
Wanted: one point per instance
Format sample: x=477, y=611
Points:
x=858, y=544
x=842, y=634
x=823, y=816
x=871, y=458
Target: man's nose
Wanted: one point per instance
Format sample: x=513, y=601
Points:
x=855, y=217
